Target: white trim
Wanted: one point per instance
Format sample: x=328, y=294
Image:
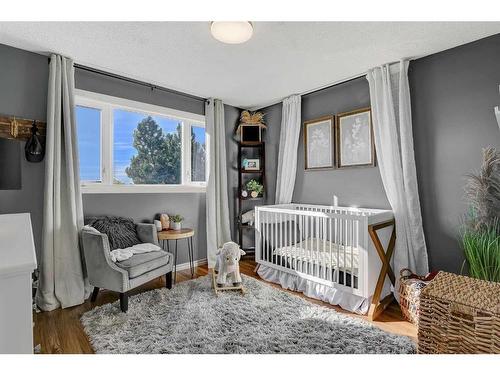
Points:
x=134, y=189
x=197, y=263
x=107, y=104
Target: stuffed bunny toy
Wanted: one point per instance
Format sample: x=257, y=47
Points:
x=227, y=265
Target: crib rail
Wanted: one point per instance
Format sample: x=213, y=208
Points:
x=325, y=244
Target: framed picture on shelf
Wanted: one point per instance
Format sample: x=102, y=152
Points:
x=354, y=139
x=251, y=164
x=319, y=143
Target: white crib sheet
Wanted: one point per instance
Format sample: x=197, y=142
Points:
x=318, y=252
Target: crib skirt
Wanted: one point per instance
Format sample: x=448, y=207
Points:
x=312, y=289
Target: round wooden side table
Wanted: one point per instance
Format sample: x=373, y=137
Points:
x=166, y=235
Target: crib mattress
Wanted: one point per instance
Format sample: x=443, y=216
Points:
x=317, y=251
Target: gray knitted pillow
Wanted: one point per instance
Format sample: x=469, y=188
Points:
x=120, y=230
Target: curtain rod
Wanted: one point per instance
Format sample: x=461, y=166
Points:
x=137, y=82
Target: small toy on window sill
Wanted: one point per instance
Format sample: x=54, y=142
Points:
x=226, y=274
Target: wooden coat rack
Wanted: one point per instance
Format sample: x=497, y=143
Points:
x=12, y=127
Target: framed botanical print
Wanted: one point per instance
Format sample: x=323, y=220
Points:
x=354, y=139
x=319, y=143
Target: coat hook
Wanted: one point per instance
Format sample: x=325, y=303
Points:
x=14, y=128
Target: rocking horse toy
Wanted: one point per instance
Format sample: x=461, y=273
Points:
x=226, y=274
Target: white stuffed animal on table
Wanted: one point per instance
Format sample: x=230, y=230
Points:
x=227, y=264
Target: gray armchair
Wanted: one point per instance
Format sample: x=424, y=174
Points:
x=123, y=276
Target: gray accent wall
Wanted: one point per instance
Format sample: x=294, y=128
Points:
x=453, y=94
x=362, y=186
x=24, y=80
x=144, y=206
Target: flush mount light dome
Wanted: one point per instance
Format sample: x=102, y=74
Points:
x=232, y=32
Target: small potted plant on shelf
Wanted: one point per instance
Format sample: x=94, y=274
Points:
x=175, y=222
x=255, y=188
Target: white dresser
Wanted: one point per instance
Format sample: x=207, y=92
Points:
x=17, y=262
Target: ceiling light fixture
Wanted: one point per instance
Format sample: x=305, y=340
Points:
x=232, y=32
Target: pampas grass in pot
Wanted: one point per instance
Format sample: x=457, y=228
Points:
x=480, y=235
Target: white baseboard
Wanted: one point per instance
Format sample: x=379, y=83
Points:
x=185, y=266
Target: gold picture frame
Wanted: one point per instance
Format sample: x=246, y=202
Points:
x=354, y=142
x=319, y=143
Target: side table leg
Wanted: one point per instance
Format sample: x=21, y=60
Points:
x=192, y=253
x=175, y=263
x=190, y=245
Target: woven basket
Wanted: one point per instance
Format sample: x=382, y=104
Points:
x=410, y=287
x=459, y=314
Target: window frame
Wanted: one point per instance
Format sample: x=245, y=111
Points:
x=107, y=104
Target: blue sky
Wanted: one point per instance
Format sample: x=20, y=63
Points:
x=124, y=124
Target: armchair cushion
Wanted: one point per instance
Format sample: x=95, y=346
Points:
x=139, y=264
x=121, y=231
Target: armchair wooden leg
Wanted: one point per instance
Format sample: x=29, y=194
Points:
x=124, y=302
x=95, y=292
x=168, y=279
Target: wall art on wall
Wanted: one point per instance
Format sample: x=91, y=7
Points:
x=318, y=143
x=354, y=139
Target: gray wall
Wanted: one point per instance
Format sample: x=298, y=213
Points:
x=143, y=207
x=453, y=94
x=25, y=75
x=23, y=79
x=360, y=187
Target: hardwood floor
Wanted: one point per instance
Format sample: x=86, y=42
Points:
x=60, y=331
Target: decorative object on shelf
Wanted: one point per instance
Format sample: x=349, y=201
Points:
x=12, y=127
x=34, y=149
x=226, y=274
x=459, y=315
x=354, y=139
x=158, y=225
x=319, y=143
x=165, y=221
x=255, y=188
x=244, y=193
x=248, y=217
x=250, y=127
x=410, y=288
x=251, y=164
x=175, y=222
x=480, y=235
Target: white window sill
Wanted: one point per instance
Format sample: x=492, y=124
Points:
x=138, y=189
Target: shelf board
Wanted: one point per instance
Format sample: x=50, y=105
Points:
x=251, y=144
x=250, y=198
x=252, y=171
x=246, y=226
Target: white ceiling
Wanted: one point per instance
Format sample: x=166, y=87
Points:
x=282, y=58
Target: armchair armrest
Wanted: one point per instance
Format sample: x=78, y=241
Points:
x=101, y=270
x=147, y=233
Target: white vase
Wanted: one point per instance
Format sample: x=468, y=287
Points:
x=158, y=225
x=175, y=226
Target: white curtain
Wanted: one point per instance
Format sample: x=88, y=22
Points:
x=62, y=275
x=392, y=128
x=218, y=229
x=287, y=157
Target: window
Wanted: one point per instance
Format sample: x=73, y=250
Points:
x=128, y=146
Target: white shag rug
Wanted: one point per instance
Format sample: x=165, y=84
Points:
x=190, y=318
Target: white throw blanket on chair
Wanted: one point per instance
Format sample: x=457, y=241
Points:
x=119, y=255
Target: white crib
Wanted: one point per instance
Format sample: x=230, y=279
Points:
x=323, y=251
